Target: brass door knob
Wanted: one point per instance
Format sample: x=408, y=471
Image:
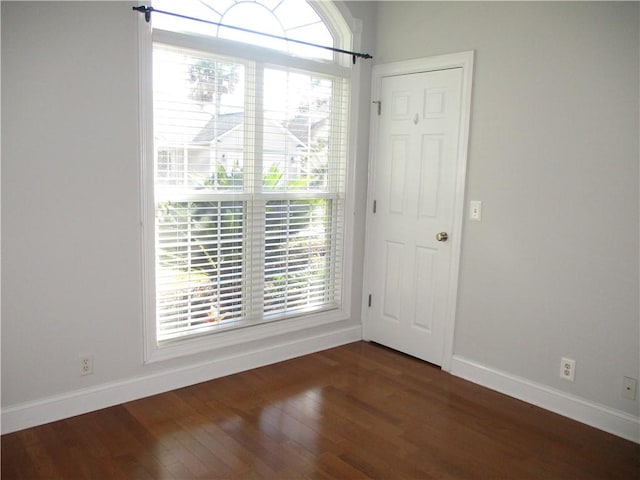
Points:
x=442, y=237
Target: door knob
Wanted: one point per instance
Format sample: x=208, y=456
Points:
x=442, y=237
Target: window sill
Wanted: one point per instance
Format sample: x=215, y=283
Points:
x=213, y=341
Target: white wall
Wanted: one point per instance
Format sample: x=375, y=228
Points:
x=552, y=269
x=71, y=273
x=70, y=250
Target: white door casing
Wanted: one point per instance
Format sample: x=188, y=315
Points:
x=416, y=186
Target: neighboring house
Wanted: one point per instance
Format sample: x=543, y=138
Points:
x=214, y=155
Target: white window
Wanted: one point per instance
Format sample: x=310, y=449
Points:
x=248, y=189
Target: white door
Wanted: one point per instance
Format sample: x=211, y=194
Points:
x=413, y=193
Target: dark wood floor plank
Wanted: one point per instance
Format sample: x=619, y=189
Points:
x=335, y=467
x=356, y=411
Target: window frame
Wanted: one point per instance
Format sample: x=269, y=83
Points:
x=266, y=58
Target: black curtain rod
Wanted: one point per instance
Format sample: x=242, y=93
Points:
x=147, y=16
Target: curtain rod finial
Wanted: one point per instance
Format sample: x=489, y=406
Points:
x=146, y=10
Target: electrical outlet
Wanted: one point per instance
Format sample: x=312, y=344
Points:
x=629, y=386
x=568, y=369
x=86, y=364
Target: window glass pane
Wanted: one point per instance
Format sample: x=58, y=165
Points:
x=315, y=33
x=294, y=19
x=298, y=249
x=198, y=120
x=296, y=131
x=253, y=16
x=294, y=13
x=200, y=271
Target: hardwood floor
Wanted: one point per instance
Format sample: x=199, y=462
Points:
x=357, y=411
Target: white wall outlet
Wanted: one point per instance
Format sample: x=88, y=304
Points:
x=629, y=387
x=86, y=364
x=475, y=210
x=568, y=369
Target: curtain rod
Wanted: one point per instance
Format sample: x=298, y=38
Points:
x=147, y=10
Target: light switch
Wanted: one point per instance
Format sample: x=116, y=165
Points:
x=475, y=210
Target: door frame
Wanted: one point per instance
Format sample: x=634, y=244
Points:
x=464, y=60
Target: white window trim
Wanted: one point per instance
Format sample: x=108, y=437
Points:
x=152, y=351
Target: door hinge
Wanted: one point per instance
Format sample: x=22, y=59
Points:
x=369, y=299
x=374, y=206
x=379, y=102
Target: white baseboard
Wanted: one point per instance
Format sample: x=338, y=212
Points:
x=67, y=405
x=604, y=418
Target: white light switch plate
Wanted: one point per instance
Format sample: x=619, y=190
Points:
x=475, y=210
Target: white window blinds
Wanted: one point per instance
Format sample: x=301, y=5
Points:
x=249, y=191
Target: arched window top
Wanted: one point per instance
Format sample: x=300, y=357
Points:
x=314, y=22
